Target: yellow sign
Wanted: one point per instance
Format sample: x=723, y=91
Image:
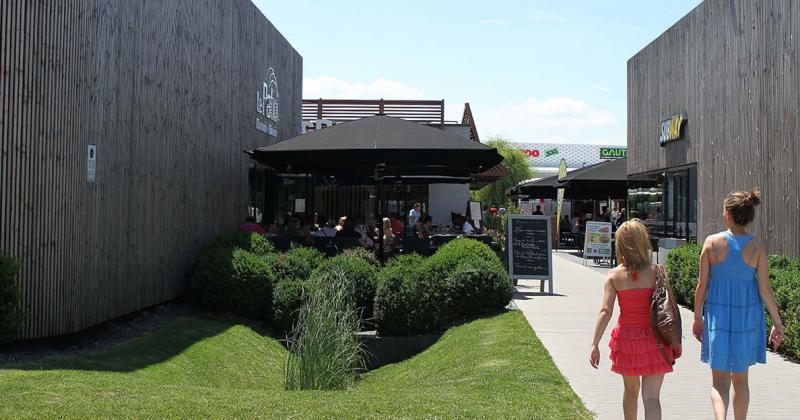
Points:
x=672, y=128
x=562, y=172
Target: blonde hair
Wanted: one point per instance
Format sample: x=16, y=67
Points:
x=633, y=245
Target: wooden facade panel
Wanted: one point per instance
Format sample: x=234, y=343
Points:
x=166, y=90
x=733, y=68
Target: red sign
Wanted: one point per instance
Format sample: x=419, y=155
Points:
x=531, y=152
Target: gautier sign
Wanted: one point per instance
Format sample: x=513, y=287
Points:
x=672, y=128
x=613, y=152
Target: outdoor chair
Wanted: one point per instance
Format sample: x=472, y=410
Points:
x=324, y=245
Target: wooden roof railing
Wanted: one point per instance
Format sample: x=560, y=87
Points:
x=341, y=110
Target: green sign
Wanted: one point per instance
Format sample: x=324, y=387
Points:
x=613, y=152
x=551, y=152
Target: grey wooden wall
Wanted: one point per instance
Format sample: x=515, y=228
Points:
x=734, y=67
x=166, y=89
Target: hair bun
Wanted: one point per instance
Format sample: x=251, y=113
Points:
x=751, y=198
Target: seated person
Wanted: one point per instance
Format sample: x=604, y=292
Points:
x=346, y=229
x=466, y=226
x=397, y=225
x=251, y=226
x=324, y=228
x=425, y=228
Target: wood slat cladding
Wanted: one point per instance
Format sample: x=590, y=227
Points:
x=167, y=92
x=734, y=68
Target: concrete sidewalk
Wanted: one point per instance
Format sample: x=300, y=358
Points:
x=565, y=324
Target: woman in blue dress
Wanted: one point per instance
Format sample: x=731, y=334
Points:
x=733, y=288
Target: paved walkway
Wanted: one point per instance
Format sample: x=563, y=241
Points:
x=565, y=324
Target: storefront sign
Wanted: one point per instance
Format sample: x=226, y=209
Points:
x=536, y=152
x=267, y=105
x=613, y=152
x=672, y=128
x=598, y=240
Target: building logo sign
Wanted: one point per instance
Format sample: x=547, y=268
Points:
x=672, y=128
x=613, y=152
x=536, y=152
x=267, y=105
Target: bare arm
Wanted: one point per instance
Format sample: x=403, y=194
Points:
x=606, y=311
x=702, y=288
x=768, y=297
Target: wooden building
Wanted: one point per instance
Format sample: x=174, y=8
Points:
x=123, y=125
x=714, y=106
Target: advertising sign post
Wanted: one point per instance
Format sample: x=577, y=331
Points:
x=598, y=240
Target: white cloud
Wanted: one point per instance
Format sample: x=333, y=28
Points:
x=557, y=120
x=333, y=88
x=494, y=21
x=601, y=88
x=545, y=16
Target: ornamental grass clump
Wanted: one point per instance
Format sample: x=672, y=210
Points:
x=324, y=351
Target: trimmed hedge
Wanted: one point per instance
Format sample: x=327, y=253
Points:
x=361, y=274
x=462, y=280
x=477, y=288
x=406, y=302
x=297, y=264
x=287, y=298
x=11, y=313
x=363, y=253
x=235, y=280
x=683, y=265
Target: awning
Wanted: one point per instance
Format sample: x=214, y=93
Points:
x=599, y=181
x=595, y=182
x=355, y=148
x=539, y=188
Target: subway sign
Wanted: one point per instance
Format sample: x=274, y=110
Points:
x=672, y=128
x=613, y=152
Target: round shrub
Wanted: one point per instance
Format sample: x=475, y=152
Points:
x=287, y=298
x=451, y=255
x=232, y=279
x=475, y=288
x=260, y=245
x=361, y=274
x=11, y=313
x=363, y=253
x=406, y=302
x=298, y=263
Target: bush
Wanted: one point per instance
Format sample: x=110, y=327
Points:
x=683, y=268
x=477, y=288
x=298, y=263
x=363, y=253
x=254, y=242
x=361, y=274
x=287, y=299
x=784, y=272
x=447, y=258
x=324, y=351
x=406, y=302
x=234, y=280
x=11, y=313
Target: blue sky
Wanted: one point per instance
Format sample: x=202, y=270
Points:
x=532, y=71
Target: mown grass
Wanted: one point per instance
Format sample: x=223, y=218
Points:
x=205, y=367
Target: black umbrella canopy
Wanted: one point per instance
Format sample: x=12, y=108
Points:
x=599, y=181
x=539, y=188
x=355, y=148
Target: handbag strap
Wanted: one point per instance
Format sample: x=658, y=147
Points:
x=660, y=287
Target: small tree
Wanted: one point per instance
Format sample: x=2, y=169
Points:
x=517, y=164
x=11, y=313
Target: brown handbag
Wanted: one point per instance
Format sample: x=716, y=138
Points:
x=665, y=315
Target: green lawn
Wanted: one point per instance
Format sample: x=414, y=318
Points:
x=205, y=367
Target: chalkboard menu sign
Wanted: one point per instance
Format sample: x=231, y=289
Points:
x=529, y=247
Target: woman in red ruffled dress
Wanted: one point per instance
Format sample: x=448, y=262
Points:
x=635, y=352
